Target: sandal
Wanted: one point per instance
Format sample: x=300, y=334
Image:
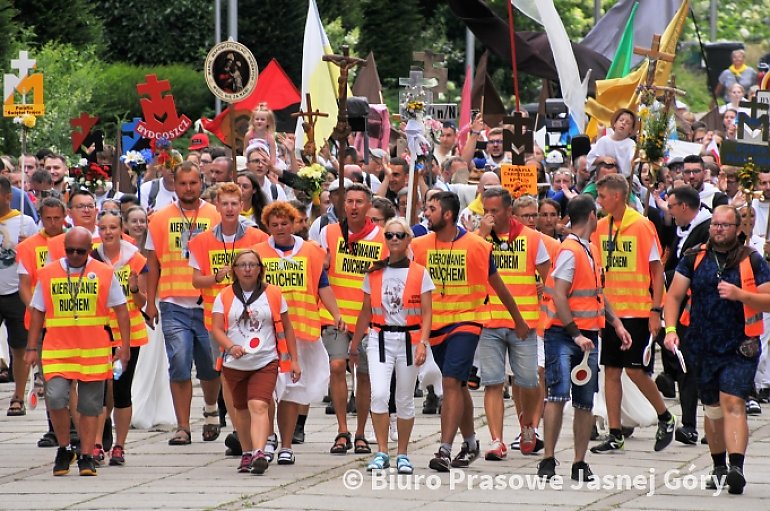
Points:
x=17, y=408
x=362, y=447
x=211, y=431
x=181, y=437
x=341, y=448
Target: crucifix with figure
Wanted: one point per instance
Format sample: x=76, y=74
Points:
x=342, y=129
x=309, y=119
x=654, y=54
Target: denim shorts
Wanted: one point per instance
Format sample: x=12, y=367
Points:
x=497, y=343
x=186, y=340
x=730, y=373
x=561, y=356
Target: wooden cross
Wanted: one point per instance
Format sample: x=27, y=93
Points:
x=520, y=140
x=309, y=119
x=654, y=55
x=429, y=60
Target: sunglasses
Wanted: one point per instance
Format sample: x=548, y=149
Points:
x=76, y=251
x=397, y=235
x=105, y=212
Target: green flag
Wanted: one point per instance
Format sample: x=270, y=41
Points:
x=621, y=64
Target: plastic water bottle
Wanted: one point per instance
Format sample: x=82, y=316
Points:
x=117, y=369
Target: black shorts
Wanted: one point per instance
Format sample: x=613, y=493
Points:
x=613, y=356
x=12, y=314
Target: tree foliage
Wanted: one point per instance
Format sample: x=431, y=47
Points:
x=65, y=21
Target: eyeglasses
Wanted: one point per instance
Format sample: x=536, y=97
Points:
x=42, y=193
x=690, y=172
x=530, y=216
x=608, y=164
x=495, y=142
x=84, y=206
x=258, y=162
x=247, y=266
x=397, y=235
x=376, y=219
x=722, y=227
x=76, y=251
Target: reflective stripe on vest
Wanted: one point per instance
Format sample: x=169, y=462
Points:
x=584, y=297
x=76, y=349
x=298, y=279
x=138, y=327
x=754, y=326
x=274, y=302
x=552, y=246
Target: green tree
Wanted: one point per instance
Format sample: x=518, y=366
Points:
x=64, y=21
x=391, y=33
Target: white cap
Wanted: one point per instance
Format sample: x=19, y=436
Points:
x=554, y=157
x=334, y=185
x=240, y=163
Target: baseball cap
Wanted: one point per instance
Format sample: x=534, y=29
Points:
x=198, y=141
x=335, y=185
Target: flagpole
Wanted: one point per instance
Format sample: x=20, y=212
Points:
x=513, y=55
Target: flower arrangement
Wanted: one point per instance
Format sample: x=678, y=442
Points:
x=414, y=108
x=90, y=176
x=137, y=160
x=656, y=128
x=311, y=177
x=27, y=121
x=747, y=176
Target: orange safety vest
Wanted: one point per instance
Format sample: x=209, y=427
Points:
x=138, y=334
x=56, y=244
x=552, y=246
x=168, y=228
x=274, y=300
x=297, y=276
x=460, y=271
x=347, y=267
x=754, y=326
x=76, y=345
x=627, y=273
x=33, y=254
x=585, y=297
x=517, y=266
x=212, y=254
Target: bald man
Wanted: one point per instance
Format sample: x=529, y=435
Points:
x=470, y=217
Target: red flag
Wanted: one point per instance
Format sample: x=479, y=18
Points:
x=274, y=87
x=465, y=107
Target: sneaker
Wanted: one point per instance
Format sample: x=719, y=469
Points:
x=735, y=481
x=393, y=428
x=98, y=454
x=440, y=462
x=582, y=472
x=403, y=464
x=497, y=452
x=466, y=456
x=381, y=461
x=611, y=445
x=87, y=466
x=752, y=407
x=665, y=433
x=286, y=456
x=547, y=468
x=271, y=446
x=528, y=440
x=516, y=444
x=259, y=463
x=117, y=456
x=539, y=444
x=717, y=479
x=64, y=458
x=245, y=465
x=686, y=435
x=299, y=435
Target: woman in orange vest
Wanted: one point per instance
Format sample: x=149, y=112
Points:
x=130, y=267
x=251, y=324
x=397, y=306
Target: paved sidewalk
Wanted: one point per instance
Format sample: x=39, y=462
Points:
x=199, y=476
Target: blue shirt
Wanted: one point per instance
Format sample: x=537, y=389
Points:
x=29, y=207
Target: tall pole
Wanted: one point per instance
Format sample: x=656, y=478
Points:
x=597, y=11
x=713, y=17
x=217, y=40
x=470, y=50
x=232, y=19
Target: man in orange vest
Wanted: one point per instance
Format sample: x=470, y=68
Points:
x=72, y=299
x=576, y=314
x=519, y=254
x=724, y=276
x=351, y=246
x=462, y=267
x=630, y=253
x=170, y=279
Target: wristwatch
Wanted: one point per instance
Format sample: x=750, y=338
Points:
x=659, y=310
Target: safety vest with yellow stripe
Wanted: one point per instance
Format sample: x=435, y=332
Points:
x=33, y=254
x=347, y=267
x=211, y=254
x=585, y=298
x=517, y=266
x=552, y=246
x=76, y=345
x=274, y=301
x=170, y=231
x=460, y=271
x=754, y=326
x=411, y=301
x=297, y=274
x=139, y=337
x=626, y=259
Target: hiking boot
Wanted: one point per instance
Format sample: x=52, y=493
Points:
x=611, y=445
x=259, y=463
x=497, y=451
x=245, y=465
x=582, y=472
x=717, y=479
x=87, y=466
x=117, y=456
x=686, y=435
x=665, y=433
x=528, y=440
x=440, y=462
x=547, y=468
x=735, y=481
x=466, y=456
x=64, y=458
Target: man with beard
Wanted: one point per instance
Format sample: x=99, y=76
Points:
x=57, y=167
x=722, y=275
x=693, y=173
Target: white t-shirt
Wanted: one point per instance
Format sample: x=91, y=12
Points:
x=564, y=268
x=267, y=189
x=163, y=199
x=393, y=283
x=622, y=150
x=9, y=239
x=115, y=298
x=257, y=336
